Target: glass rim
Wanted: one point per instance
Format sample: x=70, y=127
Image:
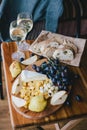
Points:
x=13, y=23
x=24, y=14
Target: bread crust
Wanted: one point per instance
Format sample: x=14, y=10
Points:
x=68, y=43
x=49, y=52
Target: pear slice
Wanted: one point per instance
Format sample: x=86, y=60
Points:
x=27, y=76
x=59, y=98
x=37, y=103
x=30, y=60
x=19, y=102
x=16, y=87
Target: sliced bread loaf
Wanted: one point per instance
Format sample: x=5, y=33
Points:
x=64, y=54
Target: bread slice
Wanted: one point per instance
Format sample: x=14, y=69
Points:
x=68, y=43
x=43, y=37
x=59, y=39
x=64, y=54
x=49, y=52
x=53, y=44
x=43, y=45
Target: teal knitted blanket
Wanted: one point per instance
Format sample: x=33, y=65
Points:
x=49, y=10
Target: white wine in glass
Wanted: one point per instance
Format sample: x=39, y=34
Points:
x=25, y=20
x=18, y=34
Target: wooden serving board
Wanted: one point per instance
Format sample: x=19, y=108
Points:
x=74, y=111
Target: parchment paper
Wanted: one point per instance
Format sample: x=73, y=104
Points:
x=79, y=42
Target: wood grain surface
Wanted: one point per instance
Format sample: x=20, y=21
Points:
x=76, y=110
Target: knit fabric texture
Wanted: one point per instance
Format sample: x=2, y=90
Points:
x=49, y=10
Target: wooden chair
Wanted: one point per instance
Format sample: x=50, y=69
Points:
x=68, y=125
x=72, y=13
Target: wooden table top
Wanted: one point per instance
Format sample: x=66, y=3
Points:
x=76, y=110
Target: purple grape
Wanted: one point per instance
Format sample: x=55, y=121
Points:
x=78, y=98
x=32, y=54
x=34, y=66
x=21, y=59
x=68, y=103
x=38, y=68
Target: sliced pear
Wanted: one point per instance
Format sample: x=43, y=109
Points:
x=30, y=60
x=16, y=87
x=59, y=98
x=15, y=69
x=19, y=102
x=27, y=76
x=37, y=103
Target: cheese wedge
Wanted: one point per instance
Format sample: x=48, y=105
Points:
x=19, y=102
x=59, y=98
x=27, y=76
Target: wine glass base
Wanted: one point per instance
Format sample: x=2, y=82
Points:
x=18, y=55
x=23, y=46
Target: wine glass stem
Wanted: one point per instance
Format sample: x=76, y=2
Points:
x=18, y=54
x=18, y=43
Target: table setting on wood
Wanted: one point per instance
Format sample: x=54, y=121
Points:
x=74, y=108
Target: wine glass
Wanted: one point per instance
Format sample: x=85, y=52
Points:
x=25, y=19
x=18, y=34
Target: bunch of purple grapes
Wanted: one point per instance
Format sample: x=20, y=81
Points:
x=60, y=75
